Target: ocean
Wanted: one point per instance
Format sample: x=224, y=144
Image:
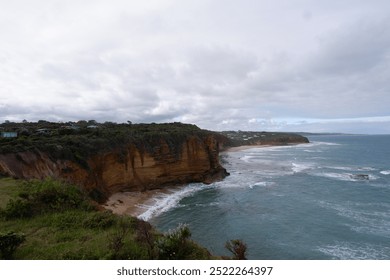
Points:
x=329, y=199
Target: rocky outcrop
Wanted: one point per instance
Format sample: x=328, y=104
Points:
x=125, y=168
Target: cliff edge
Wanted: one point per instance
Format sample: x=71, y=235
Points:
x=113, y=158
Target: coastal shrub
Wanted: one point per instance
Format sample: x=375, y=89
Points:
x=145, y=235
x=117, y=240
x=100, y=220
x=18, y=208
x=70, y=219
x=9, y=242
x=175, y=245
x=38, y=197
x=238, y=248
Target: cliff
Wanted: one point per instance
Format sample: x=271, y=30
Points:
x=134, y=163
x=108, y=158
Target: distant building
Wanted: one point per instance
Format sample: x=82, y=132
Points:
x=43, y=131
x=9, y=134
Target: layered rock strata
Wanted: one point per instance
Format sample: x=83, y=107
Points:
x=127, y=168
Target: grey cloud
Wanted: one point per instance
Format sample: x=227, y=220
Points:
x=357, y=48
x=217, y=64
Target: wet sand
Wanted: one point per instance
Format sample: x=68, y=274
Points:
x=130, y=203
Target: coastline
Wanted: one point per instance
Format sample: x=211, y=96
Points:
x=244, y=147
x=130, y=203
x=137, y=203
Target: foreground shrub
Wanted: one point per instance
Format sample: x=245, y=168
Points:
x=237, y=248
x=9, y=242
x=175, y=245
x=120, y=242
x=45, y=196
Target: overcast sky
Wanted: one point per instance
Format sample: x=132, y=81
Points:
x=296, y=65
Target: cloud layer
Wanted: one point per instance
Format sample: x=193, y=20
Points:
x=219, y=64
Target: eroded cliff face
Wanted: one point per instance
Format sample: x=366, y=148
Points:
x=126, y=168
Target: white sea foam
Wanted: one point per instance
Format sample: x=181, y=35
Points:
x=345, y=168
x=262, y=184
x=351, y=168
x=361, y=219
x=319, y=143
x=353, y=251
x=246, y=158
x=337, y=176
x=385, y=172
x=300, y=167
x=166, y=201
x=346, y=176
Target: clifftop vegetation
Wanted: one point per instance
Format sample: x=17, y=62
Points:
x=79, y=140
x=240, y=138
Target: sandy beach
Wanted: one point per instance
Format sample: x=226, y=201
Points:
x=135, y=203
x=245, y=147
x=130, y=203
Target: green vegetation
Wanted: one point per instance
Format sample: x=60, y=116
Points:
x=8, y=243
x=53, y=220
x=77, y=141
x=238, y=248
x=241, y=138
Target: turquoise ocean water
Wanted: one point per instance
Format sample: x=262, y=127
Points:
x=329, y=199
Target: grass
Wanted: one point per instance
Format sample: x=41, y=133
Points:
x=8, y=188
x=74, y=231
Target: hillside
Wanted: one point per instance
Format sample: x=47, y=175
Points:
x=50, y=220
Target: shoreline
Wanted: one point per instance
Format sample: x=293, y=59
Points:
x=129, y=203
x=136, y=203
x=245, y=147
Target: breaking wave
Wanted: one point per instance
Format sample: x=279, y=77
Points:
x=166, y=201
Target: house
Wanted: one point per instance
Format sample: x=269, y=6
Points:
x=43, y=131
x=7, y=134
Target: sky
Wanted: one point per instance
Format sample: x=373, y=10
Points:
x=296, y=65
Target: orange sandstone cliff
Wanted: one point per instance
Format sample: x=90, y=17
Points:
x=125, y=168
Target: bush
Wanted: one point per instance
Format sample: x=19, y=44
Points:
x=117, y=240
x=237, y=248
x=175, y=245
x=145, y=235
x=40, y=197
x=9, y=242
x=17, y=208
x=100, y=220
